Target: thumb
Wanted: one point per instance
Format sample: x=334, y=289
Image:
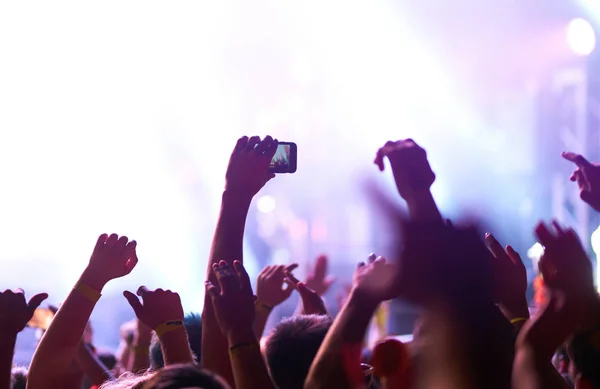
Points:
x=134, y=302
x=305, y=293
x=36, y=300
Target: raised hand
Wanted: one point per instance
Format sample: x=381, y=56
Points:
x=587, y=176
x=410, y=167
x=510, y=279
x=248, y=169
x=376, y=280
x=312, y=303
x=565, y=265
x=232, y=299
x=318, y=279
x=157, y=306
x=15, y=311
x=113, y=257
x=270, y=285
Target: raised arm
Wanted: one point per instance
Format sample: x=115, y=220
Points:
x=247, y=173
x=113, y=257
x=587, y=176
x=413, y=177
x=234, y=308
x=162, y=311
x=270, y=292
x=510, y=282
x=337, y=364
x=15, y=312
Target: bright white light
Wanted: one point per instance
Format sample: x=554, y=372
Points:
x=535, y=253
x=596, y=247
x=266, y=204
x=581, y=37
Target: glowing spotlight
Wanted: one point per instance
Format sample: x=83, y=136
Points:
x=266, y=204
x=535, y=253
x=581, y=36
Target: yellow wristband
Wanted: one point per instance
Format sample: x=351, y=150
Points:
x=518, y=320
x=260, y=305
x=168, y=326
x=236, y=349
x=89, y=292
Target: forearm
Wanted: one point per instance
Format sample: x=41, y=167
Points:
x=346, y=333
x=226, y=246
x=260, y=320
x=176, y=347
x=58, y=347
x=422, y=207
x=7, y=349
x=247, y=361
x=92, y=367
x=534, y=371
x=139, y=358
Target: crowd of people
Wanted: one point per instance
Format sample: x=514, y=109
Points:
x=474, y=329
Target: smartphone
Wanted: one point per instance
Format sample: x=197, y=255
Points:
x=41, y=318
x=285, y=158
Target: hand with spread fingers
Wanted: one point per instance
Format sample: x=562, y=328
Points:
x=233, y=299
x=113, y=257
x=312, y=303
x=318, y=278
x=248, y=169
x=271, y=288
x=157, y=306
x=510, y=279
x=587, y=176
x=376, y=280
x=15, y=311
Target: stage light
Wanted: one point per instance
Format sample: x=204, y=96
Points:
x=535, y=253
x=581, y=36
x=266, y=204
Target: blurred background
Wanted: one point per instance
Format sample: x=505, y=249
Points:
x=119, y=116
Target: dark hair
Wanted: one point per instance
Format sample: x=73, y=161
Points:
x=18, y=378
x=185, y=376
x=193, y=326
x=292, y=346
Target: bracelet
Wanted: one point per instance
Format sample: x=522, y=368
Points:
x=235, y=349
x=261, y=305
x=518, y=320
x=87, y=291
x=168, y=326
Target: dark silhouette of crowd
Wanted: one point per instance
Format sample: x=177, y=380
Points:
x=476, y=328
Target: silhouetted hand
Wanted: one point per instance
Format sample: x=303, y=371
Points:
x=248, y=169
x=113, y=257
x=270, y=285
x=565, y=265
x=376, y=280
x=15, y=311
x=318, y=279
x=410, y=167
x=510, y=279
x=157, y=306
x=232, y=299
x=312, y=303
x=587, y=176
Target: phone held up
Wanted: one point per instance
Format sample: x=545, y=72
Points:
x=285, y=158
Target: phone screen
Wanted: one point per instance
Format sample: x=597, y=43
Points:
x=284, y=160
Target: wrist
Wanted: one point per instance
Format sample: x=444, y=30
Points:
x=514, y=309
x=237, y=197
x=239, y=336
x=362, y=300
x=93, y=281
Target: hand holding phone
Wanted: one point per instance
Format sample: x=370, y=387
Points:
x=285, y=158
